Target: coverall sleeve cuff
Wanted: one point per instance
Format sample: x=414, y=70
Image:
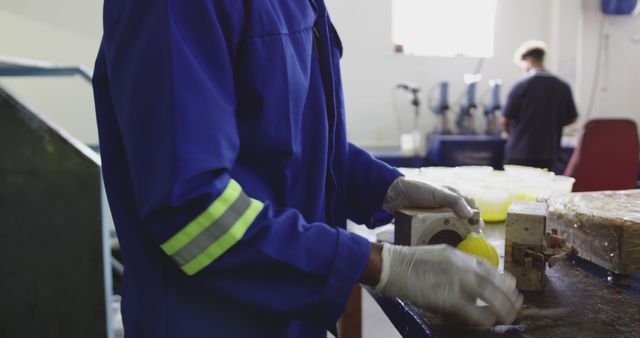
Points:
x=351, y=259
x=386, y=176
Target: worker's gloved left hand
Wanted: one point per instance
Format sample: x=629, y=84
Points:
x=405, y=193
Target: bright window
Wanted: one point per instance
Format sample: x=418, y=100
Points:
x=444, y=27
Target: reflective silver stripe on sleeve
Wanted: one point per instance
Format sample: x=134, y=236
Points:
x=214, y=231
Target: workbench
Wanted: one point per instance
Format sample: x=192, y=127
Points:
x=458, y=150
x=601, y=304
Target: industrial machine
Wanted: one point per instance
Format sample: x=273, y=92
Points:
x=492, y=108
x=575, y=298
x=411, y=143
x=523, y=251
x=413, y=90
x=440, y=108
x=57, y=279
x=465, y=122
x=529, y=247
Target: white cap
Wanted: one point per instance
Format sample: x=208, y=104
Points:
x=526, y=48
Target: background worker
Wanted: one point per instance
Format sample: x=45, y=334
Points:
x=230, y=178
x=537, y=109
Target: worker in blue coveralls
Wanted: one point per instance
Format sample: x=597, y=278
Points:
x=537, y=109
x=230, y=179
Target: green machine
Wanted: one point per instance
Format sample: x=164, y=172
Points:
x=55, y=275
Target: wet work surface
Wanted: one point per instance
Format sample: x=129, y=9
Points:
x=589, y=302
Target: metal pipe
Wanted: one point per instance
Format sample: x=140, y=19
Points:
x=10, y=66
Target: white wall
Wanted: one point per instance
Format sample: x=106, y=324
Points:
x=68, y=32
x=370, y=68
x=65, y=32
x=616, y=94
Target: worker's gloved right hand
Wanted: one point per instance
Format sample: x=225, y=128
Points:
x=444, y=279
x=405, y=193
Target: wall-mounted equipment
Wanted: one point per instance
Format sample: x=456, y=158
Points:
x=621, y=7
x=440, y=108
x=529, y=248
x=411, y=143
x=492, y=108
x=465, y=121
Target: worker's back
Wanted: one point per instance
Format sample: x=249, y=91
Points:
x=538, y=107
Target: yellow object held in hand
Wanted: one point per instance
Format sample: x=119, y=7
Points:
x=477, y=245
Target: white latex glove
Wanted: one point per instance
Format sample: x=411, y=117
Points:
x=413, y=194
x=444, y=279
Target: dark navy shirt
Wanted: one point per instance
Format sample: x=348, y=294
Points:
x=539, y=106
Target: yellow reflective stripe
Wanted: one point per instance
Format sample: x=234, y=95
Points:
x=195, y=227
x=231, y=237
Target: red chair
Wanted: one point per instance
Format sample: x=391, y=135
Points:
x=606, y=157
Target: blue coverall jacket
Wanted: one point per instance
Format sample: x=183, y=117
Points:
x=227, y=168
